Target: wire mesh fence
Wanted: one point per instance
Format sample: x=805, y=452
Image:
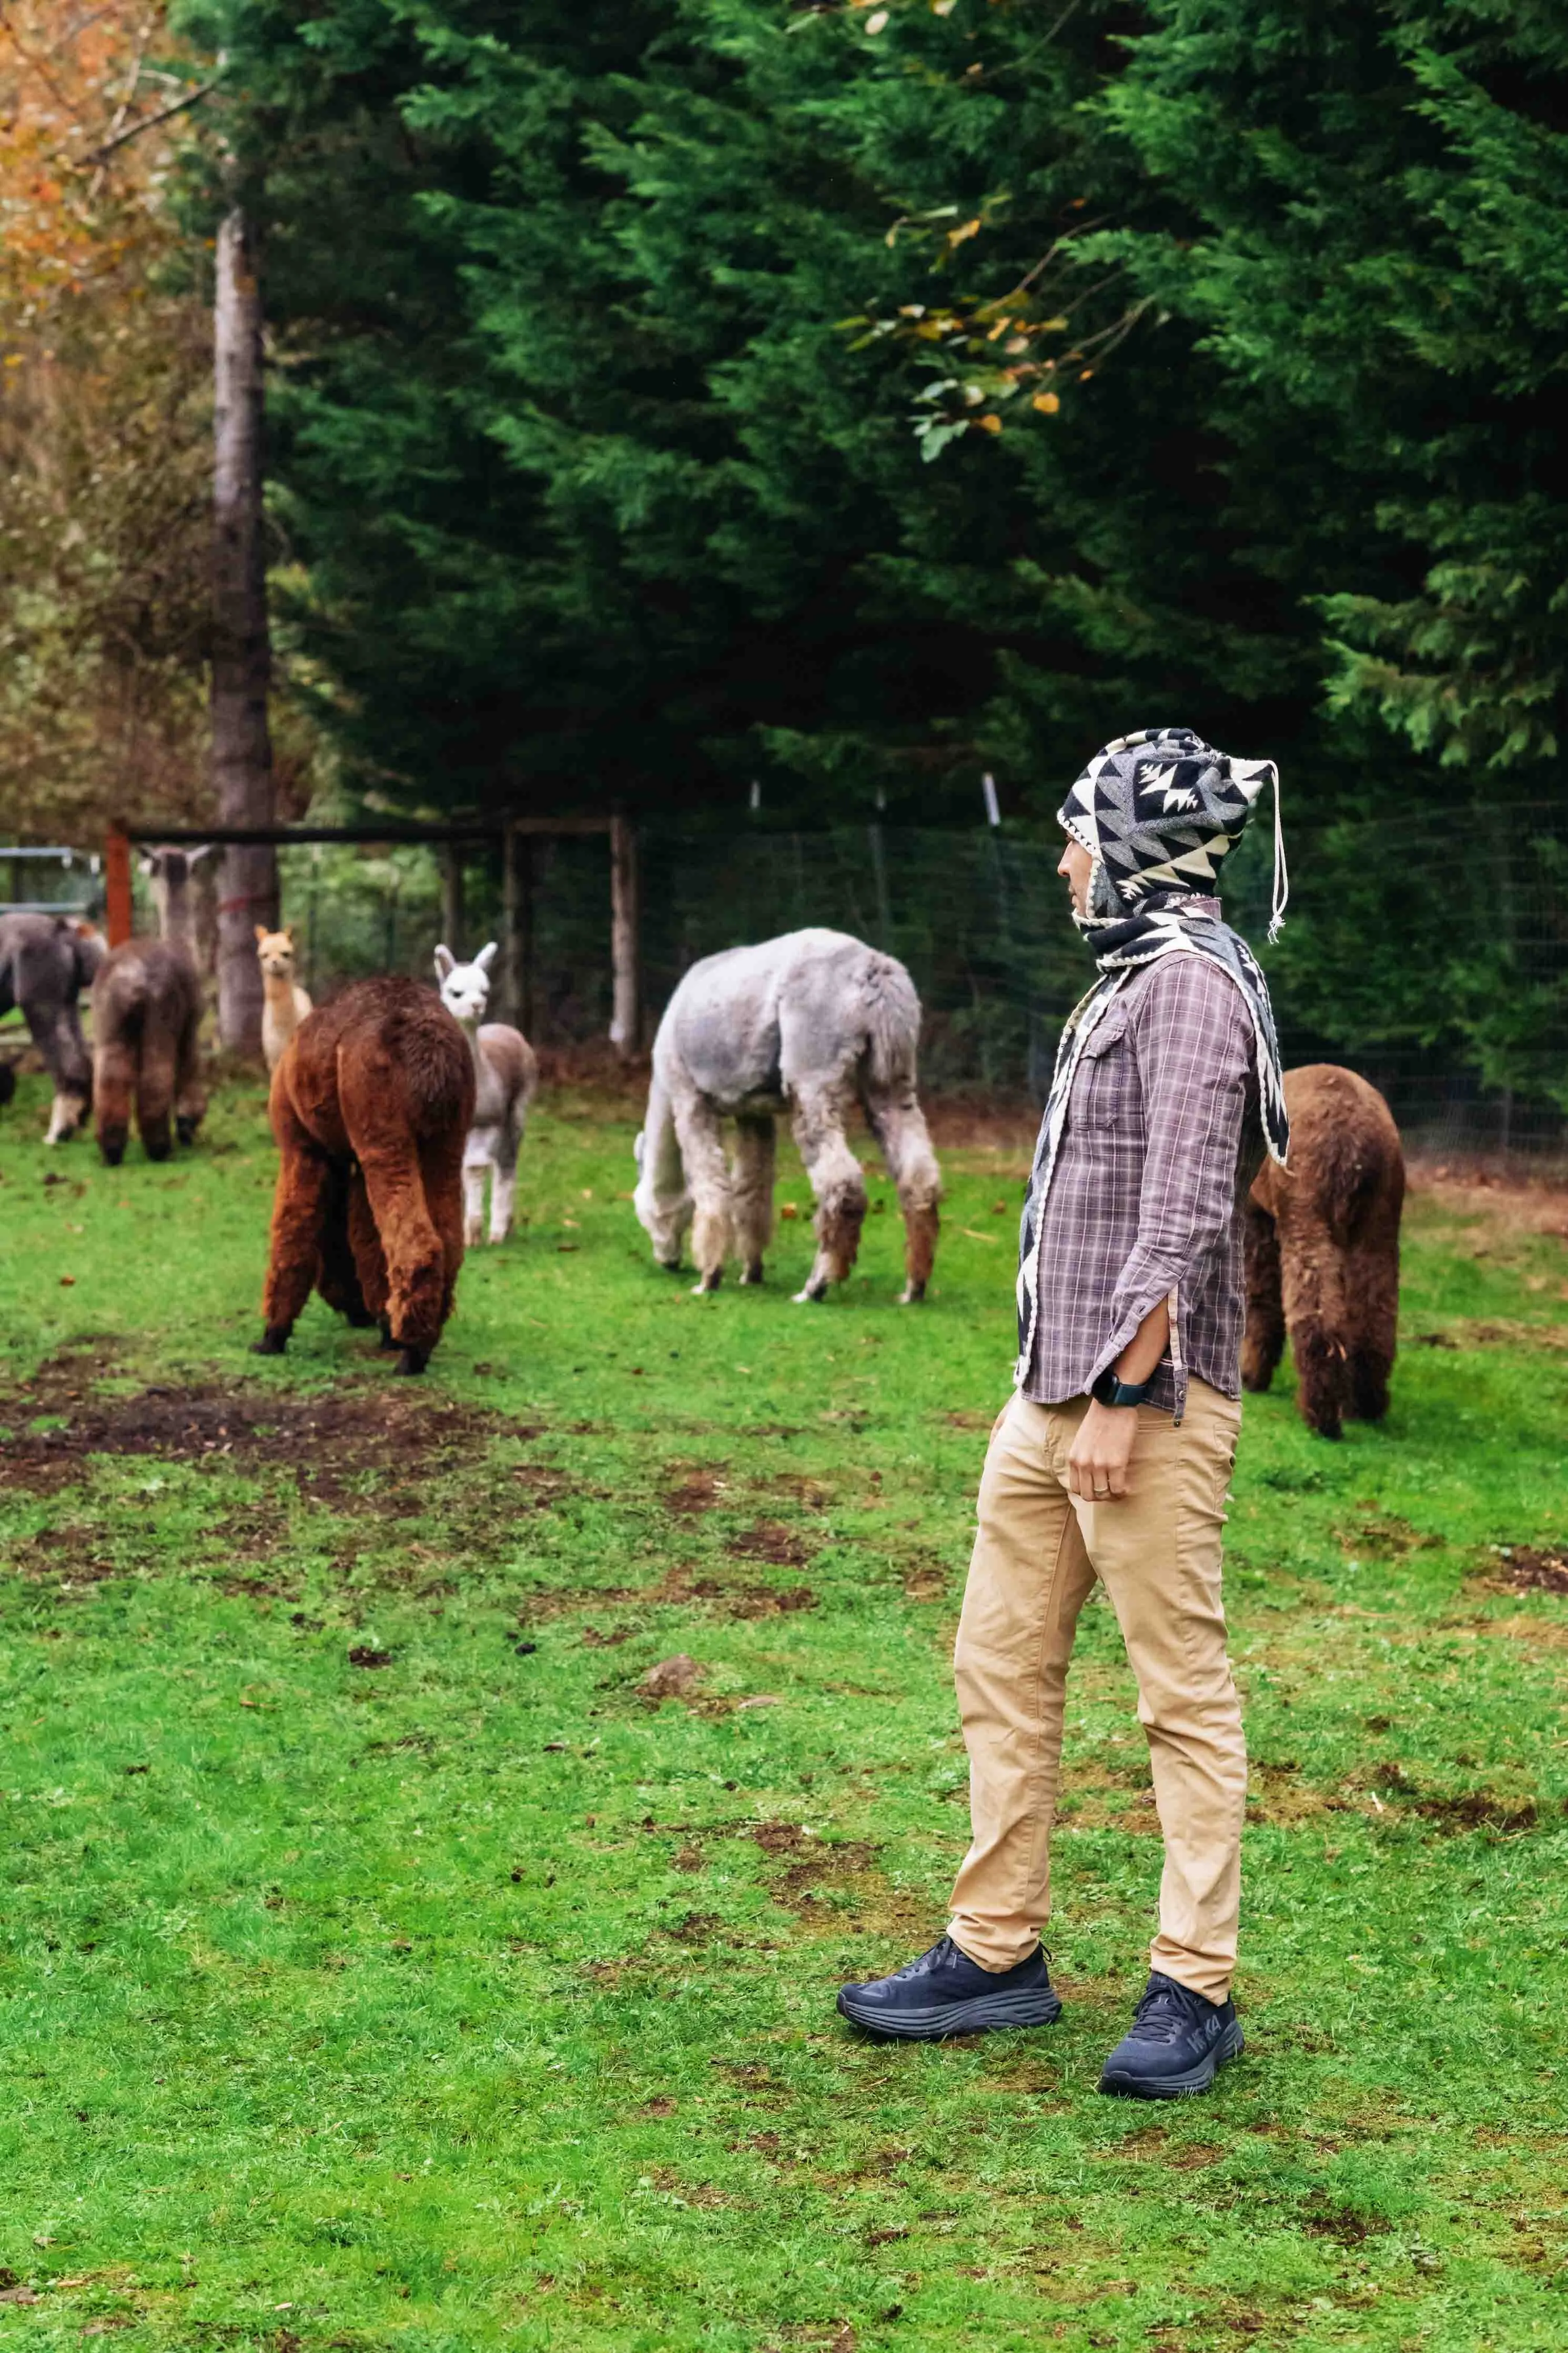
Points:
x=1441, y=976
x=1440, y=973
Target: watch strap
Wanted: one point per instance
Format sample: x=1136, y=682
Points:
x=1109, y=1388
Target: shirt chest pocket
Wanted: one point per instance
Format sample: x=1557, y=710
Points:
x=1105, y=1093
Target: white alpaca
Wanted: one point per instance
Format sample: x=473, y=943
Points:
x=802, y=1024
x=506, y=1073
x=284, y=1004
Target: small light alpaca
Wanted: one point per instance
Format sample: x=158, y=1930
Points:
x=506, y=1075
x=146, y=1014
x=1322, y=1251
x=370, y=1106
x=806, y=1024
x=46, y=962
x=284, y=1004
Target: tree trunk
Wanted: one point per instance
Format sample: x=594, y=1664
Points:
x=241, y=746
x=626, y=1022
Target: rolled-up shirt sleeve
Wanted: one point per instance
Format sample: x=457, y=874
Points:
x=1192, y=1041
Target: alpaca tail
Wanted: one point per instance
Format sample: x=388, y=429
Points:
x=1351, y=1175
x=892, y=1012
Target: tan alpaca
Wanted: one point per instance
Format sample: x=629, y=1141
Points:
x=284, y=1003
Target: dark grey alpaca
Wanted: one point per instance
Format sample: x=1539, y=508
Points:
x=46, y=962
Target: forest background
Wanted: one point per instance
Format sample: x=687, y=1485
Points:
x=771, y=416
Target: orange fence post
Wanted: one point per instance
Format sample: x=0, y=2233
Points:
x=116, y=888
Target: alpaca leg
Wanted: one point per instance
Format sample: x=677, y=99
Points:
x=751, y=1191
x=301, y=1210
x=113, y=1082
x=441, y=1170
x=1313, y=1281
x=898, y=1125
x=662, y=1202
x=155, y=1090
x=1374, y=1286
x=1264, y=1342
x=337, y=1279
x=190, y=1094
x=708, y=1174
x=369, y=1257
x=479, y=1156
x=835, y=1180
x=67, y=1113
x=503, y=1183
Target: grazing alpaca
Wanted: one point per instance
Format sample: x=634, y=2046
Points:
x=146, y=1014
x=805, y=1023
x=284, y=1004
x=1322, y=1251
x=506, y=1073
x=370, y=1106
x=46, y=962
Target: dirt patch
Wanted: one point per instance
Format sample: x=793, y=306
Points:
x=325, y=1440
x=698, y=1487
x=771, y=1541
x=814, y=1866
x=1529, y=1568
x=1377, y=1535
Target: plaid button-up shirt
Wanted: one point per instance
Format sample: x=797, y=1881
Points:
x=1161, y=1145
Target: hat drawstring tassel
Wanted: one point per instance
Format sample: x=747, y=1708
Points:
x=1282, y=897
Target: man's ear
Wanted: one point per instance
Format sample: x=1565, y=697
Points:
x=445, y=962
x=486, y=956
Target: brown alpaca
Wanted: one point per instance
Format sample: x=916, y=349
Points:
x=146, y=1012
x=371, y=1106
x=1322, y=1251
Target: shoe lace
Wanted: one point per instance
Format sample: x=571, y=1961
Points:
x=942, y=1955
x=1164, y=2011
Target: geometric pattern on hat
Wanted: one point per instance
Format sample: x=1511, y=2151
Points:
x=1159, y=810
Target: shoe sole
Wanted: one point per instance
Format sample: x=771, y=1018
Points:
x=986, y=2014
x=1231, y=2045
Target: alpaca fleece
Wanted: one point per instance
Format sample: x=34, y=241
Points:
x=1322, y=1251
x=371, y=1105
x=45, y=963
x=146, y=1012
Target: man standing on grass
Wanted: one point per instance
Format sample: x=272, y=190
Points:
x=1113, y=1458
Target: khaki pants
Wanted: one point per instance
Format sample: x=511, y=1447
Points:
x=1157, y=1551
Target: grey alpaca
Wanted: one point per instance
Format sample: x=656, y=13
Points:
x=805, y=1024
x=146, y=1014
x=46, y=962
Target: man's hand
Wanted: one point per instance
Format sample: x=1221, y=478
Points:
x=1096, y=1464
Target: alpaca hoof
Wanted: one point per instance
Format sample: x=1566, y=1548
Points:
x=752, y=1274
x=185, y=1129
x=707, y=1283
x=412, y=1361
x=272, y=1343
x=667, y=1265
x=812, y=1296
x=360, y=1319
x=387, y=1341
x=499, y=1235
x=911, y=1295
x=473, y=1234
x=112, y=1148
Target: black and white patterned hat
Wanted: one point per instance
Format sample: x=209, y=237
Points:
x=1161, y=810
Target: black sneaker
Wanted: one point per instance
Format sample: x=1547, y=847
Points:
x=1176, y=2043
x=944, y=1993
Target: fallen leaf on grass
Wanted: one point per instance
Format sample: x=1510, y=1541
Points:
x=762, y=1699
x=974, y=1235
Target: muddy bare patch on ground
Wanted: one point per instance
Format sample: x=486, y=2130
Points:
x=1531, y=1568
x=771, y=1541
x=694, y=1488
x=326, y=1440
x=1377, y=1535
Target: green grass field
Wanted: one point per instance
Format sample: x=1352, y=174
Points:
x=382, y=1966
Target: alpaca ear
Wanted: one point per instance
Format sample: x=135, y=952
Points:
x=261, y=931
x=487, y=956
x=445, y=962
x=288, y=934
x=195, y=857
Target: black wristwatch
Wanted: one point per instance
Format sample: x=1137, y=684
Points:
x=1110, y=1389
